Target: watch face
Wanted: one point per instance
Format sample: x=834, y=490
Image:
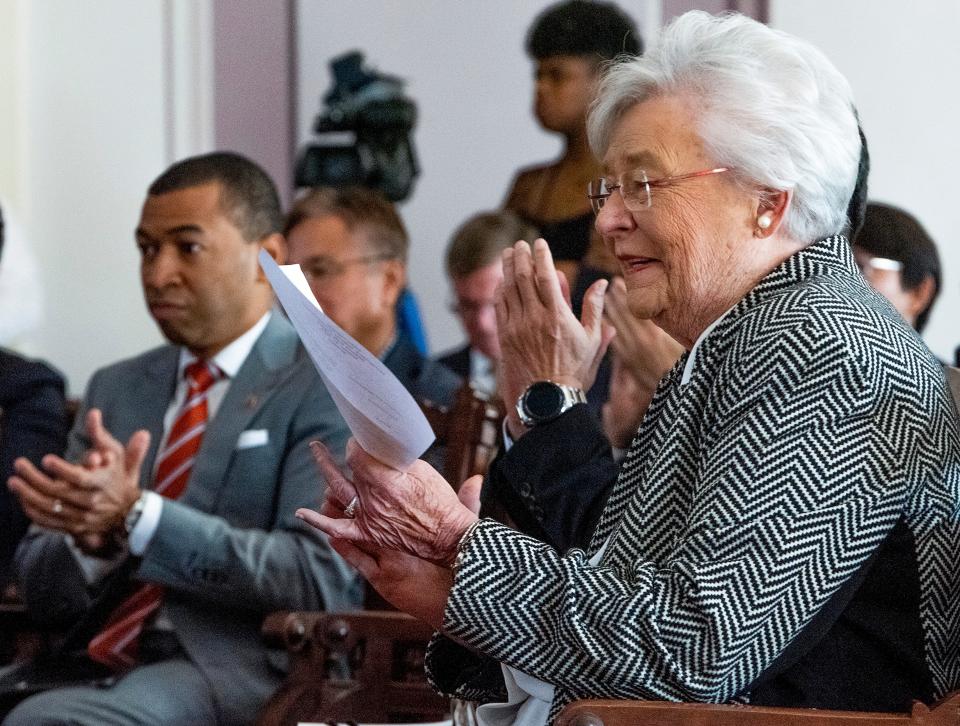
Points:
x=543, y=401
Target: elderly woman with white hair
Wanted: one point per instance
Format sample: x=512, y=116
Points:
x=786, y=526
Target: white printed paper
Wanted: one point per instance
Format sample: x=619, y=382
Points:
x=381, y=413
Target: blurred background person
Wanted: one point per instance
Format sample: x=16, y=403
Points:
x=21, y=297
x=569, y=43
x=352, y=247
x=475, y=271
x=900, y=261
x=33, y=422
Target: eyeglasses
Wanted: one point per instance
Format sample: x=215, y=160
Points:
x=469, y=308
x=868, y=263
x=327, y=268
x=635, y=188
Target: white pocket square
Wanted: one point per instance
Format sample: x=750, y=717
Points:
x=253, y=437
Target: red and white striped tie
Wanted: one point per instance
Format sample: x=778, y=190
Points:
x=116, y=644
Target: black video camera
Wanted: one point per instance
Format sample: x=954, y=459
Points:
x=364, y=132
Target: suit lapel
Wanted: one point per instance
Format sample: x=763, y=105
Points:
x=160, y=383
x=261, y=373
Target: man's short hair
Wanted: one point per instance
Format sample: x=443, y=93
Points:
x=600, y=31
x=895, y=234
x=480, y=240
x=248, y=195
x=359, y=208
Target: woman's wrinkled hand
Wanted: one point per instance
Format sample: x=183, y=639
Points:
x=415, y=512
x=540, y=337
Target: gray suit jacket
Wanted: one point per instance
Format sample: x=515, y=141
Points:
x=229, y=550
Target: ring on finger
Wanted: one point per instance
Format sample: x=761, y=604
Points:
x=350, y=511
x=57, y=506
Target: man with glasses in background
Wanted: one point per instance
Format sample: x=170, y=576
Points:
x=352, y=247
x=474, y=269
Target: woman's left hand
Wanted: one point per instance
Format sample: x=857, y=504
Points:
x=414, y=586
x=416, y=512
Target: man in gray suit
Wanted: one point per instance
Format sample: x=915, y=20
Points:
x=226, y=549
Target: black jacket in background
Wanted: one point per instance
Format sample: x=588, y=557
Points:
x=33, y=423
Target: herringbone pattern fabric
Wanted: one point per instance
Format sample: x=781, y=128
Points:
x=116, y=644
x=814, y=420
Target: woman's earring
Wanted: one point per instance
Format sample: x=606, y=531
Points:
x=763, y=223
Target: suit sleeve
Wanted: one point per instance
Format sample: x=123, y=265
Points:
x=286, y=566
x=34, y=423
x=737, y=588
x=554, y=481
x=552, y=485
x=51, y=581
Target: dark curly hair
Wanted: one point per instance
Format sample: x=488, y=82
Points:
x=893, y=233
x=599, y=30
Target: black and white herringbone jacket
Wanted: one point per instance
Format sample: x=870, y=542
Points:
x=802, y=488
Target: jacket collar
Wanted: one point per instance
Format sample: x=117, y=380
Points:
x=830, y=256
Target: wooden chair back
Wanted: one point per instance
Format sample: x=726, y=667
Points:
x=468, y=432
x=365, y=667
x=658, y=713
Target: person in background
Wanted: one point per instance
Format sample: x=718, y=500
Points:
x=474, y=270
x=900, y=261
x=570, y=42
x=183, y=472
x=352, y=247
x=33, y=422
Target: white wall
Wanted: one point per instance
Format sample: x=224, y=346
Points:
x=901, y=59
x=91, y=136
x=473, y=85
x=105, y=93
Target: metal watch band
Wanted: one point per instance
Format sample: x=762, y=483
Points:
x=570, y=397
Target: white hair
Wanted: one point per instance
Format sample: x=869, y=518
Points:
x=770, y=107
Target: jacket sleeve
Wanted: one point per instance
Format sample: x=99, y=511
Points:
x=51, y=582
x=34, y=423
x=741, y=581
x=552, y=485
x=554, y=481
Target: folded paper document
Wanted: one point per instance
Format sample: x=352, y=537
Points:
x=381, y=413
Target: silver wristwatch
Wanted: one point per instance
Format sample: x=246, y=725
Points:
x=133, y=516
x=545, y=400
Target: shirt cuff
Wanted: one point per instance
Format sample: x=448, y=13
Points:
x=146, y=526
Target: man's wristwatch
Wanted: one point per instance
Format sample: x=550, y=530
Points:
x=133, y=516
x=545, y=400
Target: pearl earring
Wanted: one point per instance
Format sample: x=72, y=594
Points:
x=764, y=221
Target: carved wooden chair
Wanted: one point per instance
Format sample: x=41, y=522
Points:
x=468, y=433
x=658, y=713
x=363, y=667
x=368, y=666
